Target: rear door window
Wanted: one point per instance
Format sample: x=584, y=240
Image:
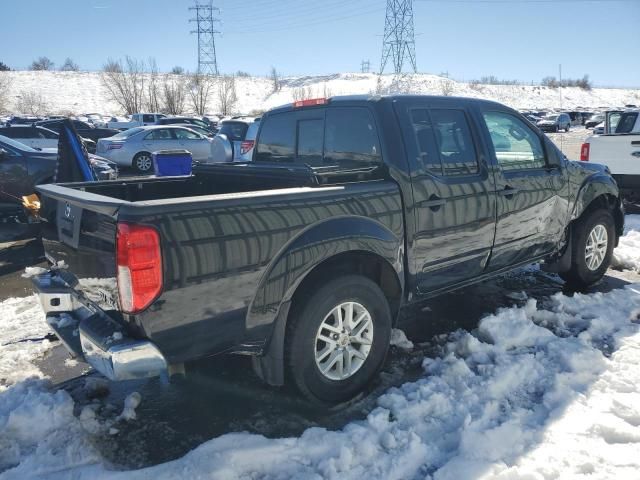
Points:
x=350, y=138
x=627, y=122
x=277, y=139
x=159, y=134
x=148, y=118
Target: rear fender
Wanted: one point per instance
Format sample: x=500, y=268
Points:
x=267, y=315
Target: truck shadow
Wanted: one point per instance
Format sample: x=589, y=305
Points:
x=222, y=395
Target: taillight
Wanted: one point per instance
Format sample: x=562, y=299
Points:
x=584, y=152
x=139, y=266
x=246, y=146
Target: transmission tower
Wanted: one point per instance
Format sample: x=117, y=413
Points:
x=398, y=42
x=207, y=62
x=365, y=66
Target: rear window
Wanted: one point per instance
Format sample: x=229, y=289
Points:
x=627, y=122
x=235, y=131
x=128, y=133
x=351, y=139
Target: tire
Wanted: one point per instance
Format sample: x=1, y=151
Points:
x=304, y=349
x=142, y=162
x=556, y=129
x=583, y=273
x=567, y=128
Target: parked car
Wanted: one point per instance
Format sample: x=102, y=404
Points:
x=84, y=129
x=39, y=137
x=354, y=212
x=195, y=128
x=23, y=120
x=133, y=147
x=187, y=121
x=594, y=120
x=618, y=147
x=554, y=122
x=22, y=167
x=137, y=120
x=235, y=140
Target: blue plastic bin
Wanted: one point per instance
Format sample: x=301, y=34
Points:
x=172, y=162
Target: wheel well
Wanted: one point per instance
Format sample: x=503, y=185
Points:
x=366, y=264
x=607, y=202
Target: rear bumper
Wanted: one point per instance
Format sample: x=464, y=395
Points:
x=93, y=336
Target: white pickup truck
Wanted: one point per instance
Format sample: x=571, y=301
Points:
x=618, y=148
x=137, y=120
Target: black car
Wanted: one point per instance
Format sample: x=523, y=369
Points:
x=354, y=212
x=84, y=129
x=594, y=120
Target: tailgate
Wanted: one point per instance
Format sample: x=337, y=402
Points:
x=79, y=235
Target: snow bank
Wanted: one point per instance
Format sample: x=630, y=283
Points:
x=22, y=331
x=80, y=92
x=627, y=253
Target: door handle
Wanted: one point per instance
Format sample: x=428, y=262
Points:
x=435, y=202
x=508, y=192
x=636, y=153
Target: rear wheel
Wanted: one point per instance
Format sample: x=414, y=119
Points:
x=338, y=338
x=593, y=241
x=143, y=162
x=566, y=129
x=556, y=129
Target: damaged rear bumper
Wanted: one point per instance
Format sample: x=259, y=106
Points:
x=93, y=336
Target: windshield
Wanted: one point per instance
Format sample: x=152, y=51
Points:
x=128, y=133
x=551, y=117
x=16, y=145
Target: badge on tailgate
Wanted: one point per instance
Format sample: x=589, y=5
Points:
x=68, y=219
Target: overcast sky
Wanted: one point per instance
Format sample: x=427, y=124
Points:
x=511, y=39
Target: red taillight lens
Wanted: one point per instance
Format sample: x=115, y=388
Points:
x=584, y=152
x=246, y=146
x=139, y=266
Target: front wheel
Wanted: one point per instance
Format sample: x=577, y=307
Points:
x=593, y=241
x=338, y=338
x=142, y=162
x=566, y=129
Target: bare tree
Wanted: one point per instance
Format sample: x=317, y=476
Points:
x=31, y=103
x=153, y=87
x=5, y=83
x=4, y=67
x=177, y=70
x=227, y=97
x=69, y=66
x=42, y=63
x=446, y=88
x=275, y=79
x=199, y=91
x=302, y=93
x=125, y=83
x=174, y=94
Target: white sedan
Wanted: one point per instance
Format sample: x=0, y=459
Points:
x=133, y=147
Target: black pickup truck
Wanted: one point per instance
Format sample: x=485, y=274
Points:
x=353, y=210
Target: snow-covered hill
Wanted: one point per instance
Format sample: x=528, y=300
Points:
x=83, y=92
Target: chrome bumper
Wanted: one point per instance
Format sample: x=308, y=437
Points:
x=93, y=336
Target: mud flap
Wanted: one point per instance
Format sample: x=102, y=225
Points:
x=563, y=262
x=270, y=366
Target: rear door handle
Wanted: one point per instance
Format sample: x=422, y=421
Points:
x=508, y=192
x=636, y=153
x=435, y=202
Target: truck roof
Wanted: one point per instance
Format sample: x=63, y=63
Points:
x=372, y=98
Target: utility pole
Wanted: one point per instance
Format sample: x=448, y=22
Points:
x=365, y=66
x=207, y=61
x=398, y=42
x=560, y=89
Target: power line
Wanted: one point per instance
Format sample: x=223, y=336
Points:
x=398, y=42
x=207, y=61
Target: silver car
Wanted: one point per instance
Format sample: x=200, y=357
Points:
x=133, y=147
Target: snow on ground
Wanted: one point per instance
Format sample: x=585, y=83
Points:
x=627, y=254
x=545, y=390
x=83, y=92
